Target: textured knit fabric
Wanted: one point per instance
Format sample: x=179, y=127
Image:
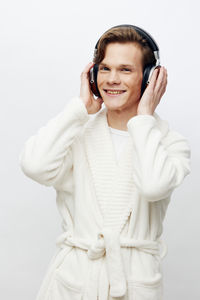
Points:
x=112, y=211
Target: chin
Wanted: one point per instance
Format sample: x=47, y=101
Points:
x=113, y=107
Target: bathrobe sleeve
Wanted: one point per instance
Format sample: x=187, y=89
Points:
x=160, y=162
x=47, y=155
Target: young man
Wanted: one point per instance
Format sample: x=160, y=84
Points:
x=114, y=170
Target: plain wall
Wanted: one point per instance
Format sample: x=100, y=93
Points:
x=44, y=46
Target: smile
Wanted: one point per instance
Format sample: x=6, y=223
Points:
x=114, y=92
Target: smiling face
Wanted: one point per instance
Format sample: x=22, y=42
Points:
x=120, y=76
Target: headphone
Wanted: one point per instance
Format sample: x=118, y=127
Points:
x=148, y=70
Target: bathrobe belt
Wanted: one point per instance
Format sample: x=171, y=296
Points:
x=109, y=242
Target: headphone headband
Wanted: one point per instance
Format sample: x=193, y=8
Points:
x=149, y=39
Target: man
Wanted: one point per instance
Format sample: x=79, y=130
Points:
x=114, y=170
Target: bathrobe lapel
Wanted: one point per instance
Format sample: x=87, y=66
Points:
x=112, y=180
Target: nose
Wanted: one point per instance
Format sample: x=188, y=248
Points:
x=113, y=78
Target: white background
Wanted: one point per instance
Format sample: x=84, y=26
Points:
x=44, y=45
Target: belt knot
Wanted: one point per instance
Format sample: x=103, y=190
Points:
x=109, y=242
x=97, y=249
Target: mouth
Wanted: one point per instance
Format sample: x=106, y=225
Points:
x=114, y=92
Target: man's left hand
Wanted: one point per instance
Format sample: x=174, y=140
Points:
x=153, y=93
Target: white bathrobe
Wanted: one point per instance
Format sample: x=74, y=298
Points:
x=112, y=210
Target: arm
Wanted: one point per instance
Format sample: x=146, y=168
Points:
x=161, y=163
x=47, y=155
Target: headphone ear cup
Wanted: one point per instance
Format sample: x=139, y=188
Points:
x=96, y=68
x=146, y=77
x=93, y=80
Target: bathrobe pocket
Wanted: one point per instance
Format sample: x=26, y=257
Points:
x=149, y=289
x=63, y=289
x=69, y=277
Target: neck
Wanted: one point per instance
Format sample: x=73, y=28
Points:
x=118, y=119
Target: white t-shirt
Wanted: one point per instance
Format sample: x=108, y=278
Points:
x=119, y=138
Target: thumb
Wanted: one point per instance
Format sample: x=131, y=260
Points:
x=99, y=100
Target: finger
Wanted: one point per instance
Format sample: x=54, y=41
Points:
x=86, y=70
x=161, y=80
x=161, y=87
x=153, y=79
x=159, y=95
x=100, y=100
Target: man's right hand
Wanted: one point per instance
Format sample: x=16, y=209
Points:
x=92, y=105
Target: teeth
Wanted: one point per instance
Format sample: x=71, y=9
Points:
x=114, y=92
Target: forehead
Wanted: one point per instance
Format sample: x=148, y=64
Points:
x=123, y=53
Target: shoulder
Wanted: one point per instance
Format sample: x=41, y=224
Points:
x=92, y=129
x=96, y=120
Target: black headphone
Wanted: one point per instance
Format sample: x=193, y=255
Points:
x=148, y=69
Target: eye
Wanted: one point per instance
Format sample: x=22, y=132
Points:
x=126, y=70
x=103, y=68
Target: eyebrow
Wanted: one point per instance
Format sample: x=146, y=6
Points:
x=120, y=66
